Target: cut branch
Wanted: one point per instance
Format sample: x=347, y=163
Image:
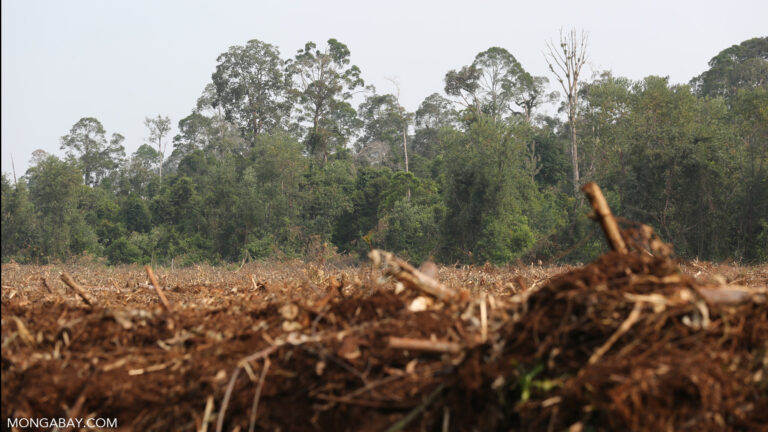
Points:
x=633, y=317
x=227, y=397
x=410, y=276
x=605, y=217
x=402, y=423
x=67, y=279
x=423, y=345
x=257, y=395
x=160, y=294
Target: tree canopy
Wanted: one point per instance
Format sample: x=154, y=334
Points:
x=287, y=158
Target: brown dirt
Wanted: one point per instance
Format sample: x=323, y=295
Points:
x=556, y=355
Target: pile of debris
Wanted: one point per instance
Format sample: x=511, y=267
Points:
x=627, y=342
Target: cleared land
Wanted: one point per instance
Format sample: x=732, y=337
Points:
x=628, y=342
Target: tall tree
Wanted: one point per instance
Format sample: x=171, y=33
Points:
x=749, y=116
x=463, y=85
x=742, y=66
x=250, y=85
x=565, y=62
x=384, y=120
x=739, y=74
x=19, y=231
x=138, y=176
x=434, y=114
x=87, y=143
x=158, y=129
x=529, y=92
x=678, y=176
x=405, y=118
x=484, y=189
x=268, y=202
x=486, y=86
x=55, y=187
x=605, y=102
x=379, y=118
x=324, y=82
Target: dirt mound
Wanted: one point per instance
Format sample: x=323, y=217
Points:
x=628, y=342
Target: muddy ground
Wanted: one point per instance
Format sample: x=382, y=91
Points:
x=629, y=342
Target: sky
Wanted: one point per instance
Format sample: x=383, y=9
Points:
x=123, y=61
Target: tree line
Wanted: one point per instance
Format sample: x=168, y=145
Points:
x=275, y=161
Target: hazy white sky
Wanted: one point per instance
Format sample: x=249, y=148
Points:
x=121, y=61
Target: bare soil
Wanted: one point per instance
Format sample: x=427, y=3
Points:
x=629, y=342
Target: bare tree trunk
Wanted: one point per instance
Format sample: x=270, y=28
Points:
x=405, y=149
x=404, y=117
x=574, y=156
x=13, y=167
x=162, y=156
x=566, y=61
x=256, y=128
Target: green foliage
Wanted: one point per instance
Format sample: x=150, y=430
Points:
x=326, y=197
x=269, y=200
x=363, y=217
x=323, y=83
x=749, y=116
x=494, y=85
x=411, y=230
x=191, y=249
x=263, y=168
x=87, y=143
x=260, y=248
x=761, y=249
x=122, y=251
x=135, y=214
x=102, y=213
x=55, y=188
x=488, y=194
x=195, y=133
x=19, y=231
x=251, y=86
x=158, y=128
x=434, y=120
x=550, y=156
x=146, y=157
x=675, y=151
x=423, y=191
x=381, y=123
x=504, y=239
x=742, y=66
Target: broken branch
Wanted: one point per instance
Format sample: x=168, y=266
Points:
x=160, y=294
x=605, y=217
x=67, y=279
x=409, y=275
x=423, y=345
x=633, y=317
x=257, y=395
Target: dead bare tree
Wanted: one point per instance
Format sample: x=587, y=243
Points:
x=405, y=118
x=565, y=62
x=158, y=128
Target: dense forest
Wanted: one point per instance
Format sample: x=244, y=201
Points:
x=298, y=158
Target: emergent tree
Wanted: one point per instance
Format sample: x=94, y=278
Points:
x=324, y=81
x=87, y=143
